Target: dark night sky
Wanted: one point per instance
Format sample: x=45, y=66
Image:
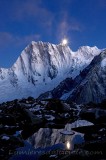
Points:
x=82, y=22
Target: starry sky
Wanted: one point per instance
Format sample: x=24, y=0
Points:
x=82, y=22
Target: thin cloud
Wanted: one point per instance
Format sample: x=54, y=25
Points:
x=102, y=4
x=68, y=24
x=36, y=12
x=27, y=39
x=7, y=39
x=31, y=9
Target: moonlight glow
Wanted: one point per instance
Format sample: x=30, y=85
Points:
x=68, y=145
x=64, y=42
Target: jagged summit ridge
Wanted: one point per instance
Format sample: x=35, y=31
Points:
x=37, y=55
x=41, y=67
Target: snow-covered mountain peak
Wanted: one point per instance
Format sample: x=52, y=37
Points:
x=41, y=67
x=43, y=58
x=86, y=50
x=47, y=45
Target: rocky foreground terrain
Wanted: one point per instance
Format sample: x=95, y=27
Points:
x=20, y=119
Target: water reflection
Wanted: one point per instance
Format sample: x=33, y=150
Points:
x=52, y=141
x=46, y=137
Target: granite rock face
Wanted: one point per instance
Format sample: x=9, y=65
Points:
x=93, y=86
x=88, y=86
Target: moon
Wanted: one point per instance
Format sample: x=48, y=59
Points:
x=64, y=42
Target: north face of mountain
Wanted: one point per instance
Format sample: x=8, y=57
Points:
x=41, y=67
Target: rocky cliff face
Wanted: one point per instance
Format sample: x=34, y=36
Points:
x=93, y=86
x=41, y=67
x=89, y=85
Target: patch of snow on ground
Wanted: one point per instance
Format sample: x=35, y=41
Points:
x=49, y=117
x=6, y=137
x=80, y=123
